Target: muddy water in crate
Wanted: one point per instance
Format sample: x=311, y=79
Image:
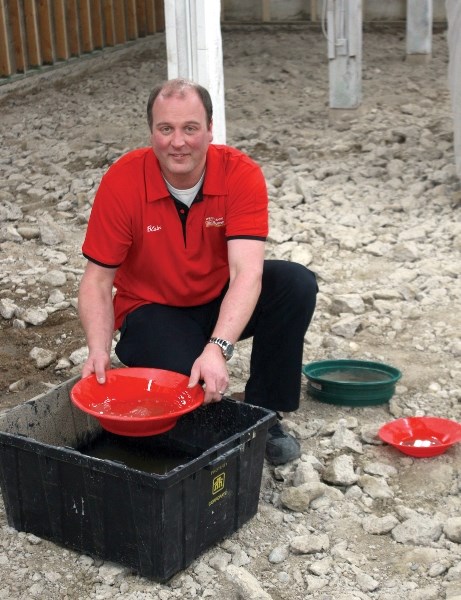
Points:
x=144, y=454
x=358, y=375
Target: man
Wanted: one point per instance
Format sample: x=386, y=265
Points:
x=179, y=230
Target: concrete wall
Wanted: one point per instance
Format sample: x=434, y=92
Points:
x=298, y=10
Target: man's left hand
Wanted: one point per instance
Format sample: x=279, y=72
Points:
x=211, y=368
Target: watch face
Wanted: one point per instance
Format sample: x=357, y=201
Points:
x=228, y=351
x=226, y=347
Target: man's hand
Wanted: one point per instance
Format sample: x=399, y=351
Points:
x=97, y=363
x=211, y=368
x=97, y=316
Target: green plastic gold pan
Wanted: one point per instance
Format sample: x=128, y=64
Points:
x=351, y=382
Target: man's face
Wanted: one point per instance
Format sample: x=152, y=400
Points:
x=180, y=137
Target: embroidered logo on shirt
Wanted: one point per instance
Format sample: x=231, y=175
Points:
x=214, y=222
x=151, y=228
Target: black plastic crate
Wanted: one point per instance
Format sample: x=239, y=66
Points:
x=154, y=523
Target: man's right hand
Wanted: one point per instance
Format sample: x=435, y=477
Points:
x=96, y=363
x=97, y=316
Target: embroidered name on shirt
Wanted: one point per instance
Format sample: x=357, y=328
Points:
x=151, y=228
x=214, y=222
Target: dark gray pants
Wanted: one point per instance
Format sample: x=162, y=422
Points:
x=169, y=337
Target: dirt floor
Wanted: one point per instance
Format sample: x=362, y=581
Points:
x=368, y=199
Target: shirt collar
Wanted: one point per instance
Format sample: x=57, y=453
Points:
x=214, y=183
x=155, y=184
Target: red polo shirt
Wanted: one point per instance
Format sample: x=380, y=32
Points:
x=135, y=226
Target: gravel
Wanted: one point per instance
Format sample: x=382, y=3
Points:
x=368, y=199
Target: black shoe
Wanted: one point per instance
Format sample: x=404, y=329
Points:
x=281, y=447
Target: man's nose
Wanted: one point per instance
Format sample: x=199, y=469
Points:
x=177, y=138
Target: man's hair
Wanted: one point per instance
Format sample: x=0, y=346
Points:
x=179, y=87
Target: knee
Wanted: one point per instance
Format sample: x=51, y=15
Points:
x=301, y=280
x=303, y=292
x=292, y=283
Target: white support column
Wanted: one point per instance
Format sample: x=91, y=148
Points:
x=419, y=30
x=194, y=51
x=453, y=9
x=344, y=33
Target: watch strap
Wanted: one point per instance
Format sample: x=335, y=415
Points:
x=227, y=348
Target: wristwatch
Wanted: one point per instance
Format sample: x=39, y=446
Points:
x=227, y=348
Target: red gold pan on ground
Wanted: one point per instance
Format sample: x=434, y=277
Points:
x=421, y=437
